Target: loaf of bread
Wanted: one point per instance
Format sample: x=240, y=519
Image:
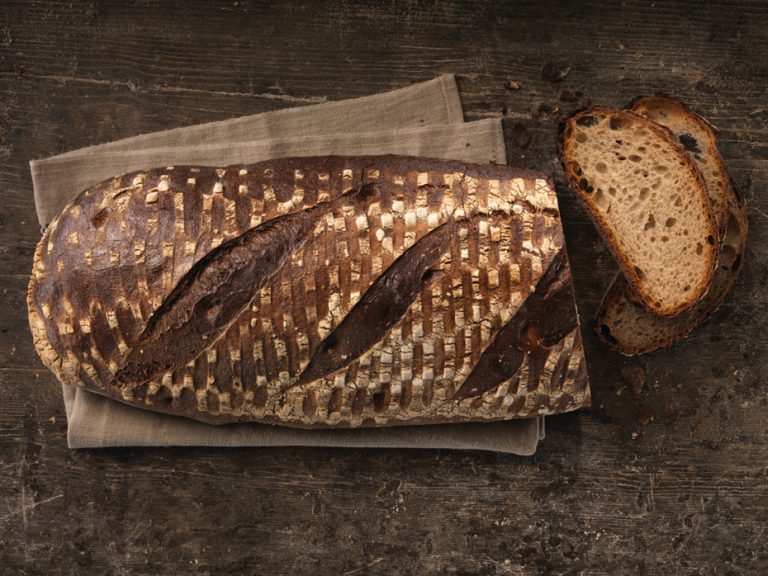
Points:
x=311, y=292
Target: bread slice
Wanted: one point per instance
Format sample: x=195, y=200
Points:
x=699, y=138
x=649, y=202
x=624, y=325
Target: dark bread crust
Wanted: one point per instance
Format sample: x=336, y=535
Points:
x=542, y=321
x=383, y=305
x=109, y=262
x=610, y=235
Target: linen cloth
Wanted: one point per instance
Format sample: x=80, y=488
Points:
x=421, y=120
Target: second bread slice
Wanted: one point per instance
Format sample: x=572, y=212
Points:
x=699, y=138
x=649, y=202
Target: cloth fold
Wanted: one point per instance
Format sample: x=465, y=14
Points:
x=421, y=120
x=98, y=422
x=432, y=103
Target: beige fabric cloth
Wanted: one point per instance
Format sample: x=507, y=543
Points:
x=422, y=120
x=98, y=422
x=432, y=103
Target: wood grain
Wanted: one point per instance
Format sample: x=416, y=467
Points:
x=667, y=475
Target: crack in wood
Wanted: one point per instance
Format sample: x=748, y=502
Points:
x=133, y=86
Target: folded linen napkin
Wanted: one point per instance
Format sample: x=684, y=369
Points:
x=422, y=120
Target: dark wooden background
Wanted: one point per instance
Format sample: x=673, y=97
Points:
x=667, y=475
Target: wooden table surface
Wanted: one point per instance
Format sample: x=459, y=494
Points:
x=668, y=474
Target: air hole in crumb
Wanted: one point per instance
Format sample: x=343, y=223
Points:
x=670, y=222
x=686, y=287
x=665, y=238
x=618, y=123
x=699, y=248
x=428, y=276
x=644, y=193
x=690, y=143
x=587, y=121
x=584, y=185
x=650, y=223
x=711, y=240
x=601, y=167
x=581, y=137
x=601, y=200
x=334, y=402
x=639, y=272
x=641, y=149
x=635, y=158
x=612, y=191
x=660, y=168
x=678, y=202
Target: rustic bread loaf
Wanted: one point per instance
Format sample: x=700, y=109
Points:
x=649, y=202
x=315, y=292
x=621, y=322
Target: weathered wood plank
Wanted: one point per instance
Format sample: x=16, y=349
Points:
x=570, y=507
